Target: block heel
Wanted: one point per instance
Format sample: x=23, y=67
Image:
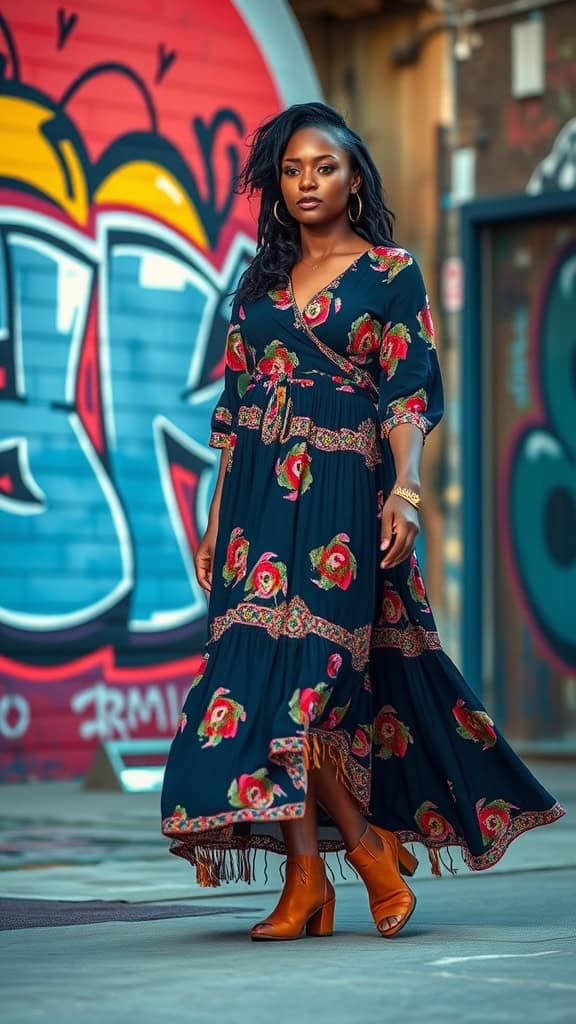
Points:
x=322, y=922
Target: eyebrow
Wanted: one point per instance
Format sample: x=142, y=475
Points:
x=323, y=156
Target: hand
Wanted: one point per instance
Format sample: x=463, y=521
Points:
x=204, y=560
x=400, y=527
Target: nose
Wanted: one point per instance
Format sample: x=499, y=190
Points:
x=307, y=180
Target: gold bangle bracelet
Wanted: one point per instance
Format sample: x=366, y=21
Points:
x=408, y=494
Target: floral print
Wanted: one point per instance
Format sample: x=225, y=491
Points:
x=256, y=791
x=390, y=261
x=200, y=673
x=416, y=584
x=318, y=309
x=277, y=363
x=424, y=318
x=335, y=563
x=364, y=337
x=336, y=716
x=334, y=665
x=493, y=818
x=307, y=704
x=294, y=471
x=392, y=604
x=234, y=568
x=361, y=741
x=474, y=725
x=220, y=719
x=267, y=579
x=433, y=824
x=281, y=298
x=391, y=736
x=308, y=404
x=395, y=342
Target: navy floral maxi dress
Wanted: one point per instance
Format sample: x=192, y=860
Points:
x=313, y=648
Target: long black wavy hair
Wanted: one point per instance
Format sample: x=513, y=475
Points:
x=278, y=245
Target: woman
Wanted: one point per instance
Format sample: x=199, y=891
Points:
x=325, y=698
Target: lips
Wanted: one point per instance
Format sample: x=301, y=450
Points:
x=309, y=204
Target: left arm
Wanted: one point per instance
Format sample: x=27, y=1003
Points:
x=411, y=400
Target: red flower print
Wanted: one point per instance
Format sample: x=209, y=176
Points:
x=337, y=304
x=361, y=741
x=281, y=297
x=234, y=568
x=182, y=721
x=317, y=310
x=392, y=604
x=235, y=352
x=364, y=337
x=220, y=721
x=267, y=578
x=200, y=673
x=416, y=404
x=391, y=736
x=241, y=313
x=277, y=362
x=335, y=716
x=308, y=703
x=334, y=665
x=431, y=823
x=294, y=471
x=394, y=347
x=416, y=584
x=424, y=318
x=493, y=818
x=335, y=563
x=389, y=261
x=474, y=725
x=256, y=791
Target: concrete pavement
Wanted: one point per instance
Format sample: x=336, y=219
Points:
x=499, y=945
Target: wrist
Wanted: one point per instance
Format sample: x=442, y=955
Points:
x=411, y=482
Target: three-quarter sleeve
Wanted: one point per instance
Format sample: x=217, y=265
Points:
x=410, y=384
x=236, y=379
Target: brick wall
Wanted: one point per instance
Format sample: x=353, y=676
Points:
x=511, y=136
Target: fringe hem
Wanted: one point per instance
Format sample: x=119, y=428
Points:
x=220, y=856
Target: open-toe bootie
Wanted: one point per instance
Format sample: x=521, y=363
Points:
x=376, y=859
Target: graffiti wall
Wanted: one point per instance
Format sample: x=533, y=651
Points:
x=122, y=125
x=529, y=429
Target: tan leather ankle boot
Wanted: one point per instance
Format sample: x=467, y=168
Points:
x=375, y=858
x=306, y=904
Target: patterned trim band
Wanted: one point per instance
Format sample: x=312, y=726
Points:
x=219, y=440
x=363, y=441
x=412, y=641
x=405, y=417
x=295, y=620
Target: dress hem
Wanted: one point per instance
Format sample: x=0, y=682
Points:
x=221, y=856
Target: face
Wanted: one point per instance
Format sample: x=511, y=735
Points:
x=316, y=177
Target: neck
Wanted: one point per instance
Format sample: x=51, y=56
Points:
x=317, y=243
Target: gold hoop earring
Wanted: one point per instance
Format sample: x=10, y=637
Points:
x=355, y=219
x=284, y=224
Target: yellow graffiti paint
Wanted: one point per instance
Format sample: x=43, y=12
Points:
x=152, y=189
x=50, y=166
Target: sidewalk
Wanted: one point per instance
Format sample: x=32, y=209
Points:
x=58, y=841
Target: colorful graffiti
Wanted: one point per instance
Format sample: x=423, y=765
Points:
x=539, y=489
x=121, y=240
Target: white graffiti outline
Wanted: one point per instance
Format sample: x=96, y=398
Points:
x=39, y=231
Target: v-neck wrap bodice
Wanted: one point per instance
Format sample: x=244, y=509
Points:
x=365, y=339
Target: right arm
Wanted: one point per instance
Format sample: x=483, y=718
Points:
x=222, y=436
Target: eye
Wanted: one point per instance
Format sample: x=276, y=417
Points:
x=327, y=167
x=290, y=171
